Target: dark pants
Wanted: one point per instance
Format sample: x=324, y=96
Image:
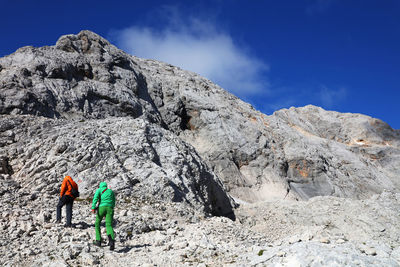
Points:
x=67, y=201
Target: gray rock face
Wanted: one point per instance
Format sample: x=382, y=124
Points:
x=299, y=153
x=296, y=153
x=348, y=155
x=82, y=81
x=81, y=75
x=172, y=144
x=135, y=157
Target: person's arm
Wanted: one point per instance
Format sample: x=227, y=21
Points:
x=63, y=188
x=95, y=199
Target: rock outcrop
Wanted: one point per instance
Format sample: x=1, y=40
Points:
x=299, y=153
x=102, y=126
x=178, y=149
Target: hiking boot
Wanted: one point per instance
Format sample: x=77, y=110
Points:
x=58, y=222
x=111, y=242
x=68, y=225
x=97, y=243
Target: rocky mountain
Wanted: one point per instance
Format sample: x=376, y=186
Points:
x=178, y=149
x=102, y=125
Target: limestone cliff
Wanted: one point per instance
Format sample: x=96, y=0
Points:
x=297, y=153
x=176, y=148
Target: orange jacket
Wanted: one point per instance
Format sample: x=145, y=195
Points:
x=66, y=186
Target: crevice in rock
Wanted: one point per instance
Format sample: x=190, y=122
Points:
x=143, y=93
x=156, y=158
x=122, y=62
x=179, y=196
x=235, y=161
x=35, y=106
x=70, y=72
x=283, y=168
x=5, y=167
x=185, y=120
x=93, y=97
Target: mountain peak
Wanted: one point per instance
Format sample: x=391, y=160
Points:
x=83, y=42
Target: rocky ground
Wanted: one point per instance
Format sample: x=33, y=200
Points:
x=324, y=231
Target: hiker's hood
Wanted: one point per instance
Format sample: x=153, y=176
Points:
x=103, y=185
x=67, y=178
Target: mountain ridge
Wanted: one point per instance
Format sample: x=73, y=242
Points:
x=87, y=77
x=178, y=150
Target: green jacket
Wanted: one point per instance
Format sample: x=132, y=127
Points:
x=107, y=199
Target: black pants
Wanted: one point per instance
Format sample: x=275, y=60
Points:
x=67, y=201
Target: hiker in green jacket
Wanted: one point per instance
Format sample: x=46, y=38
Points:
x=106, y=198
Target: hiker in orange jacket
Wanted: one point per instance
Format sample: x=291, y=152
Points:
x=66, y=198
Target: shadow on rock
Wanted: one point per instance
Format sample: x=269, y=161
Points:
x=129, y=248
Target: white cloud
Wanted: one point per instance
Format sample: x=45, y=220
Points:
x=199, y=47
x=329, y=97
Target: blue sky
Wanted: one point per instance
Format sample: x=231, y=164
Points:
x=342, y=55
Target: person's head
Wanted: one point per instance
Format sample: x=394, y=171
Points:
x=103, y=185
x=67, y=178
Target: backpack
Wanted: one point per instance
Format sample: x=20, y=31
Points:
x=74, y=192
x=98, y=203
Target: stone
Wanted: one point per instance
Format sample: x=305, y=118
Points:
x=370, y=251
x=324, y=240
x=281, y=254
x=88, y=259
x=294, y=239
x=171, y=231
